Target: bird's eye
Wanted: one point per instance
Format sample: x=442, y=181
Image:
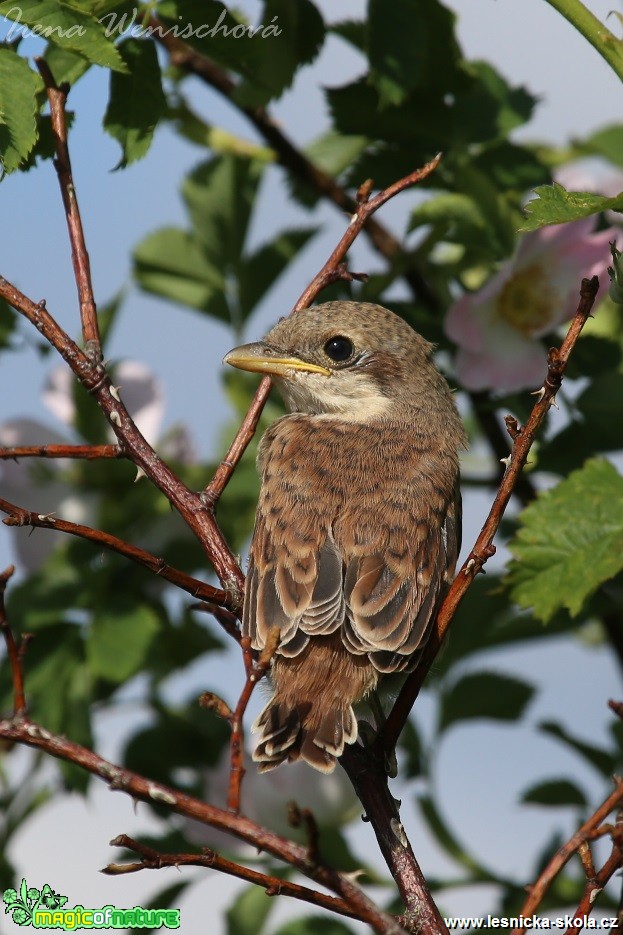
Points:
x=338, y=348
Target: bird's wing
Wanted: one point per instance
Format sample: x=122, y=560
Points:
x=295, y=573
x=393, y=584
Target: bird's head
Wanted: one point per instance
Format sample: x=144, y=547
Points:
x=356, y=360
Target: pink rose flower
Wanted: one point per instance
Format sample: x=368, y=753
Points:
x=497, y=329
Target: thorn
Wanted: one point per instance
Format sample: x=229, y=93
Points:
x=139, y=473
x=114, y=392
x=506, y=461
x=115, y=418
x=470, y=565
x=540, y=393
x=46, y=517
x=553, y=403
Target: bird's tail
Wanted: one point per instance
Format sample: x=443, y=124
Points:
x=311, y=715
x=303, y=731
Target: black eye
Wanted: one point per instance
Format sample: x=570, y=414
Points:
x=338, y=348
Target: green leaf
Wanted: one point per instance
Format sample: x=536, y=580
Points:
x=333, y=153
x=171, y=263
x=119, y=639
x=570, y=541
x=260, y=271
x=607, y=142
x=484, y=695
x=295, y=41
x=66, y=26
x=18, y=106
x=555, y=205
x=406, y=41
x=249, y=912
x=66, y=66
x=8, y=321
x=556, y=792
x=136, y=101
x=220, y=195
x=602, y=760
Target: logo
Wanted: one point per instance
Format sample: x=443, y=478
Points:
x=45, y=909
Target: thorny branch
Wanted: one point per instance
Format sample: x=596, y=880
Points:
x=273, y=886
x=17, y=516
x=21, y=729
x=81, y=452
x=483, y=549
x=591, y=829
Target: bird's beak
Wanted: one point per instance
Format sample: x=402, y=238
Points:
x=260, y=358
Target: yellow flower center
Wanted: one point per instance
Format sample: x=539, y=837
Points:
x=527, y=301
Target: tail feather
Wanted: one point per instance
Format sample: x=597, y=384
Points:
x=302, y=732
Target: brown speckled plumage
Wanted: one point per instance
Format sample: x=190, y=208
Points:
x=358, y=523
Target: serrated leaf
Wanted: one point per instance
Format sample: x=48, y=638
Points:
x=555, y=792
x=484, y=695
x=66, y=66
x=136, y=102
x=66, y=26
x=296, y=41
x=570, y=541
x=119, y=639
x=18, y=106
x=555, y=205
x=406, y=41
x=248, y=913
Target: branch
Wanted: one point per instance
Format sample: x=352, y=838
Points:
x=255, y=672
x=274, y=886
x=22, y=730
x=589, y=830
x=93, y=376
x=483, y=548
x=83, y=452
x=57, y=98
x=18, y=516
x=368, y=774
x=332, y=270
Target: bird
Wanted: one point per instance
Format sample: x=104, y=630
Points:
x=358, y=521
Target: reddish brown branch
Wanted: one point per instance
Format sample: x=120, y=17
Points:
x=13, y=650
x=94, y=378
x=304, y=817
x=590, y=829
x=83, y=452
x=483, y=548
x=333, y=269
x=594, y=886
x=57, y=98
x=18, y=516
x=255, y=672
x=274, y=886
x=22, y=730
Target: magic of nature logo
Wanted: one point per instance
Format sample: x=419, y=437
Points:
x=45, y=909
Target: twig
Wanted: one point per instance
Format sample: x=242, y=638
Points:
x=83, y=452
x=22, y=730
x=57, y=98
x=332, y=269
x=483, y=548
x=304, y=816
x=274, y=886
x=255, y=672
x=18, y=516
x=13, y=651
x=587, y=831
